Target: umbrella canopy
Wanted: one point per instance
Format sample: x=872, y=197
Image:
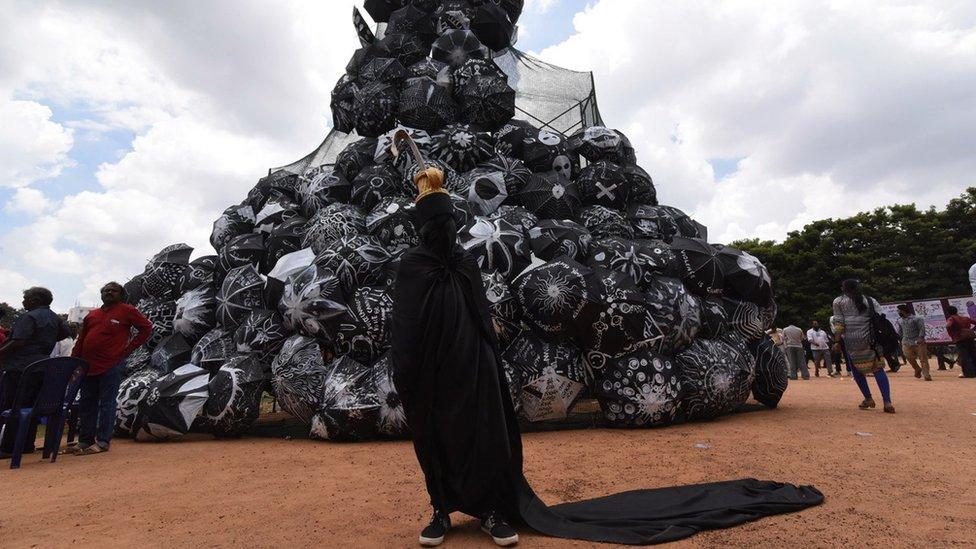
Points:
x=453, y=181
x=360, y=57
x=745, y=276
x=551, y=238
x=552, y=376
x=172, y=403
x=486, y=101
x=640, y=389
x=454, y=47
x=545, y=151
x=597, y=143
x=512, y=137
x=677, y=318
x=516, y=215
x=516, y=174
x=333, y=222
x=391, y=223
x=492, y=26
x=551, y=197
x=132, y=391
x=513, y=8
x=641, y=260
x=620, y=319
x=652, y=222
x=475, y=67
x=454, y=14
x=133, y=290
x=354, y=157
x=604, y=183
x=715, y=378
x=432, y=70
x=278, y=184
x=234, y=400
x=687, y=227
x=387, y=70
x=744, y=318
x=426, y=105
x=298, y=377
x=497, y=245
x=202, y=271
x=213, y=349
x=241, y=292
x=376, y=108
x=772, y=374
x=356, y=261
x=603, y=222
x=289, y=264
x=284, y=239
x=171, y=353
x=350, y=404
x=139, y=360
x=322, y=186
x=245, y=249
x=261, y=334
x=382, y=10
x=714, y=317
x=464, y=213
x=374, y=184
x=161, y=314
x=364, y=334
x=411, y=19
x=555, y=297
x=313, y=302
x=486, y=190
x=502, y=304
x=392, y=418
x=697, y=264
x=164, y=271
x=461, y=146
x=642, y=190
x=406, y=48
x=344, y=103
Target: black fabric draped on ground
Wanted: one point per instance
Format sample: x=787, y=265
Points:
x=465, y=432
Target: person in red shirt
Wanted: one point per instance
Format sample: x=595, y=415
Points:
x=104, y=342
x=960, y=330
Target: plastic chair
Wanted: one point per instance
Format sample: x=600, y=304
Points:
x=62, y=379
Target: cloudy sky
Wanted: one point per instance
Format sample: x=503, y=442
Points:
x=128, y=125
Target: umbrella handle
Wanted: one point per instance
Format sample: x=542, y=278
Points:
x=402, y=135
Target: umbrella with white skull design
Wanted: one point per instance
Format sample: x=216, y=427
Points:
x=196, y=312
x=241, y=292
x=552, y=237
x=552, y=376
x=546, y=151
x=261, y=334
x=164, y=271
x=597, y=143
x=172, y=404
x=213, y=349
x=202, y=271
x=715, y=376
x=298, y=377
x=745, y=276
x=641, y=260
x=772, y=373
x=313, y=302
x=234, y=400
x=551, y=196
x=496, y=245
x=640, y=389
x=133, y=390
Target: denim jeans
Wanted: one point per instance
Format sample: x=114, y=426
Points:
x=99, y=398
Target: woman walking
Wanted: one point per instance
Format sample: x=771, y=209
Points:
x=852, y=327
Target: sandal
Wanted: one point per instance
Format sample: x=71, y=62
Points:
x=868, y=403
x=93, y=449
x=889, y=408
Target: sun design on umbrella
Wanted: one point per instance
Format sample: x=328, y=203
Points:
x=393, y=418
x=555, y=295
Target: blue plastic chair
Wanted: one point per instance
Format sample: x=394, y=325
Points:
x=62, y=379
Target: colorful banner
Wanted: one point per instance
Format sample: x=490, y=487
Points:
x=933, y=312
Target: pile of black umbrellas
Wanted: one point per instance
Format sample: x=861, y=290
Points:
x=597, y=290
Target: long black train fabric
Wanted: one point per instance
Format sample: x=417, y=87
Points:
x=446, y=358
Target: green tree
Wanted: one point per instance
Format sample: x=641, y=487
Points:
x=9, y=315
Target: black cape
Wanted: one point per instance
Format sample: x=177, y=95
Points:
x=465, y=433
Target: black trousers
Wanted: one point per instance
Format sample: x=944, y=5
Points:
x=9, y=392
x=967, y=357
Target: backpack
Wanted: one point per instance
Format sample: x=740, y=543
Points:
x=882, y=331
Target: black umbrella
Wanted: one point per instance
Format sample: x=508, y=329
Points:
x=365, y=333
x=486, y=101
x=405, y=48
x=284, y=239
x=652, y=222
x=714, y=317
x=641, y=260
x=697, y=264
x=453, y=181
x=375, y=183
x=454, y=47
x=517, y=175
x=744, y=318
x=344, y=104
x=432, y=70
x=551, y=197
x=555, y=297
x=159, y=312
x=202, y=271
x=461, y=146
x=261, y=334
x=621, y=319
x=677, y=317
x=172, y=403
x=492, y=26
x=505, y=309
x=213, y=349
x=602, y=222
x=162, y=276
x=132, y=391
x=298, y=377
x=245, y=249
x=745, y=276
x=640, y=389
x=772, y=374
x=313, y=302
x=486, y=190
x=687, y=226
x=426, y=105
x=642, y=189
x=381, y=10
x=350, y=406
x=597, y=143
x=392, y=418
x=280, y=182
x=133, y=290
x=715, y=378
x=360, y=57
x=516, y=215
x=411, y=19
x=139, y=360
x=391, y=222
x=475, y=67
x=511, y=137
x=767, y=314
x=355, y=260
x=384, y=148
x=354, y=157
x=333, y=222
x=553, y=237
x=234, y=400
x=552, y=376
x=387, y=70
x=278, y=209
x=513, y=8
x=171, y=353
x=241, y=292
x=546, y=151
x=496, y=245
x=604, y=183
x=322, y=186
x=376, y=108
x=464, y=212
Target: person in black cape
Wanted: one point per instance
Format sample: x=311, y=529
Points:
x=447, y=370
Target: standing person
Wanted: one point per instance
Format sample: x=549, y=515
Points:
x=66, y=345
x=913, y=340
x=820, y=347
x=105, y=341
x=795, y=357
x=776, y=335
x=960, y=330
x=852, y=326
x=33, y=337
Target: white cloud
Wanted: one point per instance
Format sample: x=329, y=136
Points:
x=12, y=286
x=32, y=146
x=29, y=201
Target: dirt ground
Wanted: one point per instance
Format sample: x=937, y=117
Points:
x=903, y=480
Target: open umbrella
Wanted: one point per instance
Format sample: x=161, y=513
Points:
x=677, y=318
x=355, y=260
x=516, y=174
x=284, y=239
x=453, y=181
x=245, y=249
x=202, y=271
x=516, y=215
x=649, y=221
x=289, y=264
x=139, y=360
x=426, y=105
x=604, y=183
x=261, y=334
x=411, y=19
x=241, y=292
x=376, y=108
x=382, y=10
x=620, y=319
x=387, y=70
x=555, y=297
x=234, y=400
x=277, y=209
x=772, y=374
x=279, y=182
x=461, y=146
x=744, y=318
x=132, y=391
x=456, y=46
x=326, y=185
x=172, y=403
x=298, y=377
x=350, y=404
x=312, y=302
x=344, y=104
x=715, y=378
x=496, y=245
x=641, y=186
x=475, y=67
x=714, y=317
x=454, y=14
x=365, y=332
x=492, y=26
x=133, y=290
x=392, y=420
x=333, y=222
x=697, y=264
x=171, y=353
x=640, y=389
x=552, y=237
x=745, y=276
x=552, y=376
x=641, y=260
x=486, y=101
x=597, y=143
x=545, y=151
x=213, y=349
x=391, y=223
x=687, y=227
x=551, y=197
x=602, y=222
x=164, y=271
x=486, y=190
x=160, y=313
x=362, y=56
x=505, y=309
x=512, y=136
x=374, y=184
x=406, y=48
x=431, y=70
x=354, y=157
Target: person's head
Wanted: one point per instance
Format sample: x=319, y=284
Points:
x=73, y=329
x=815, y=324
x=951, y=310
x=37, y=297
x=852, y=289
x=904, y=310
x=112, y=293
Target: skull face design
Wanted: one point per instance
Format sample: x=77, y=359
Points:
x=563, y=166
x=548, y=138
